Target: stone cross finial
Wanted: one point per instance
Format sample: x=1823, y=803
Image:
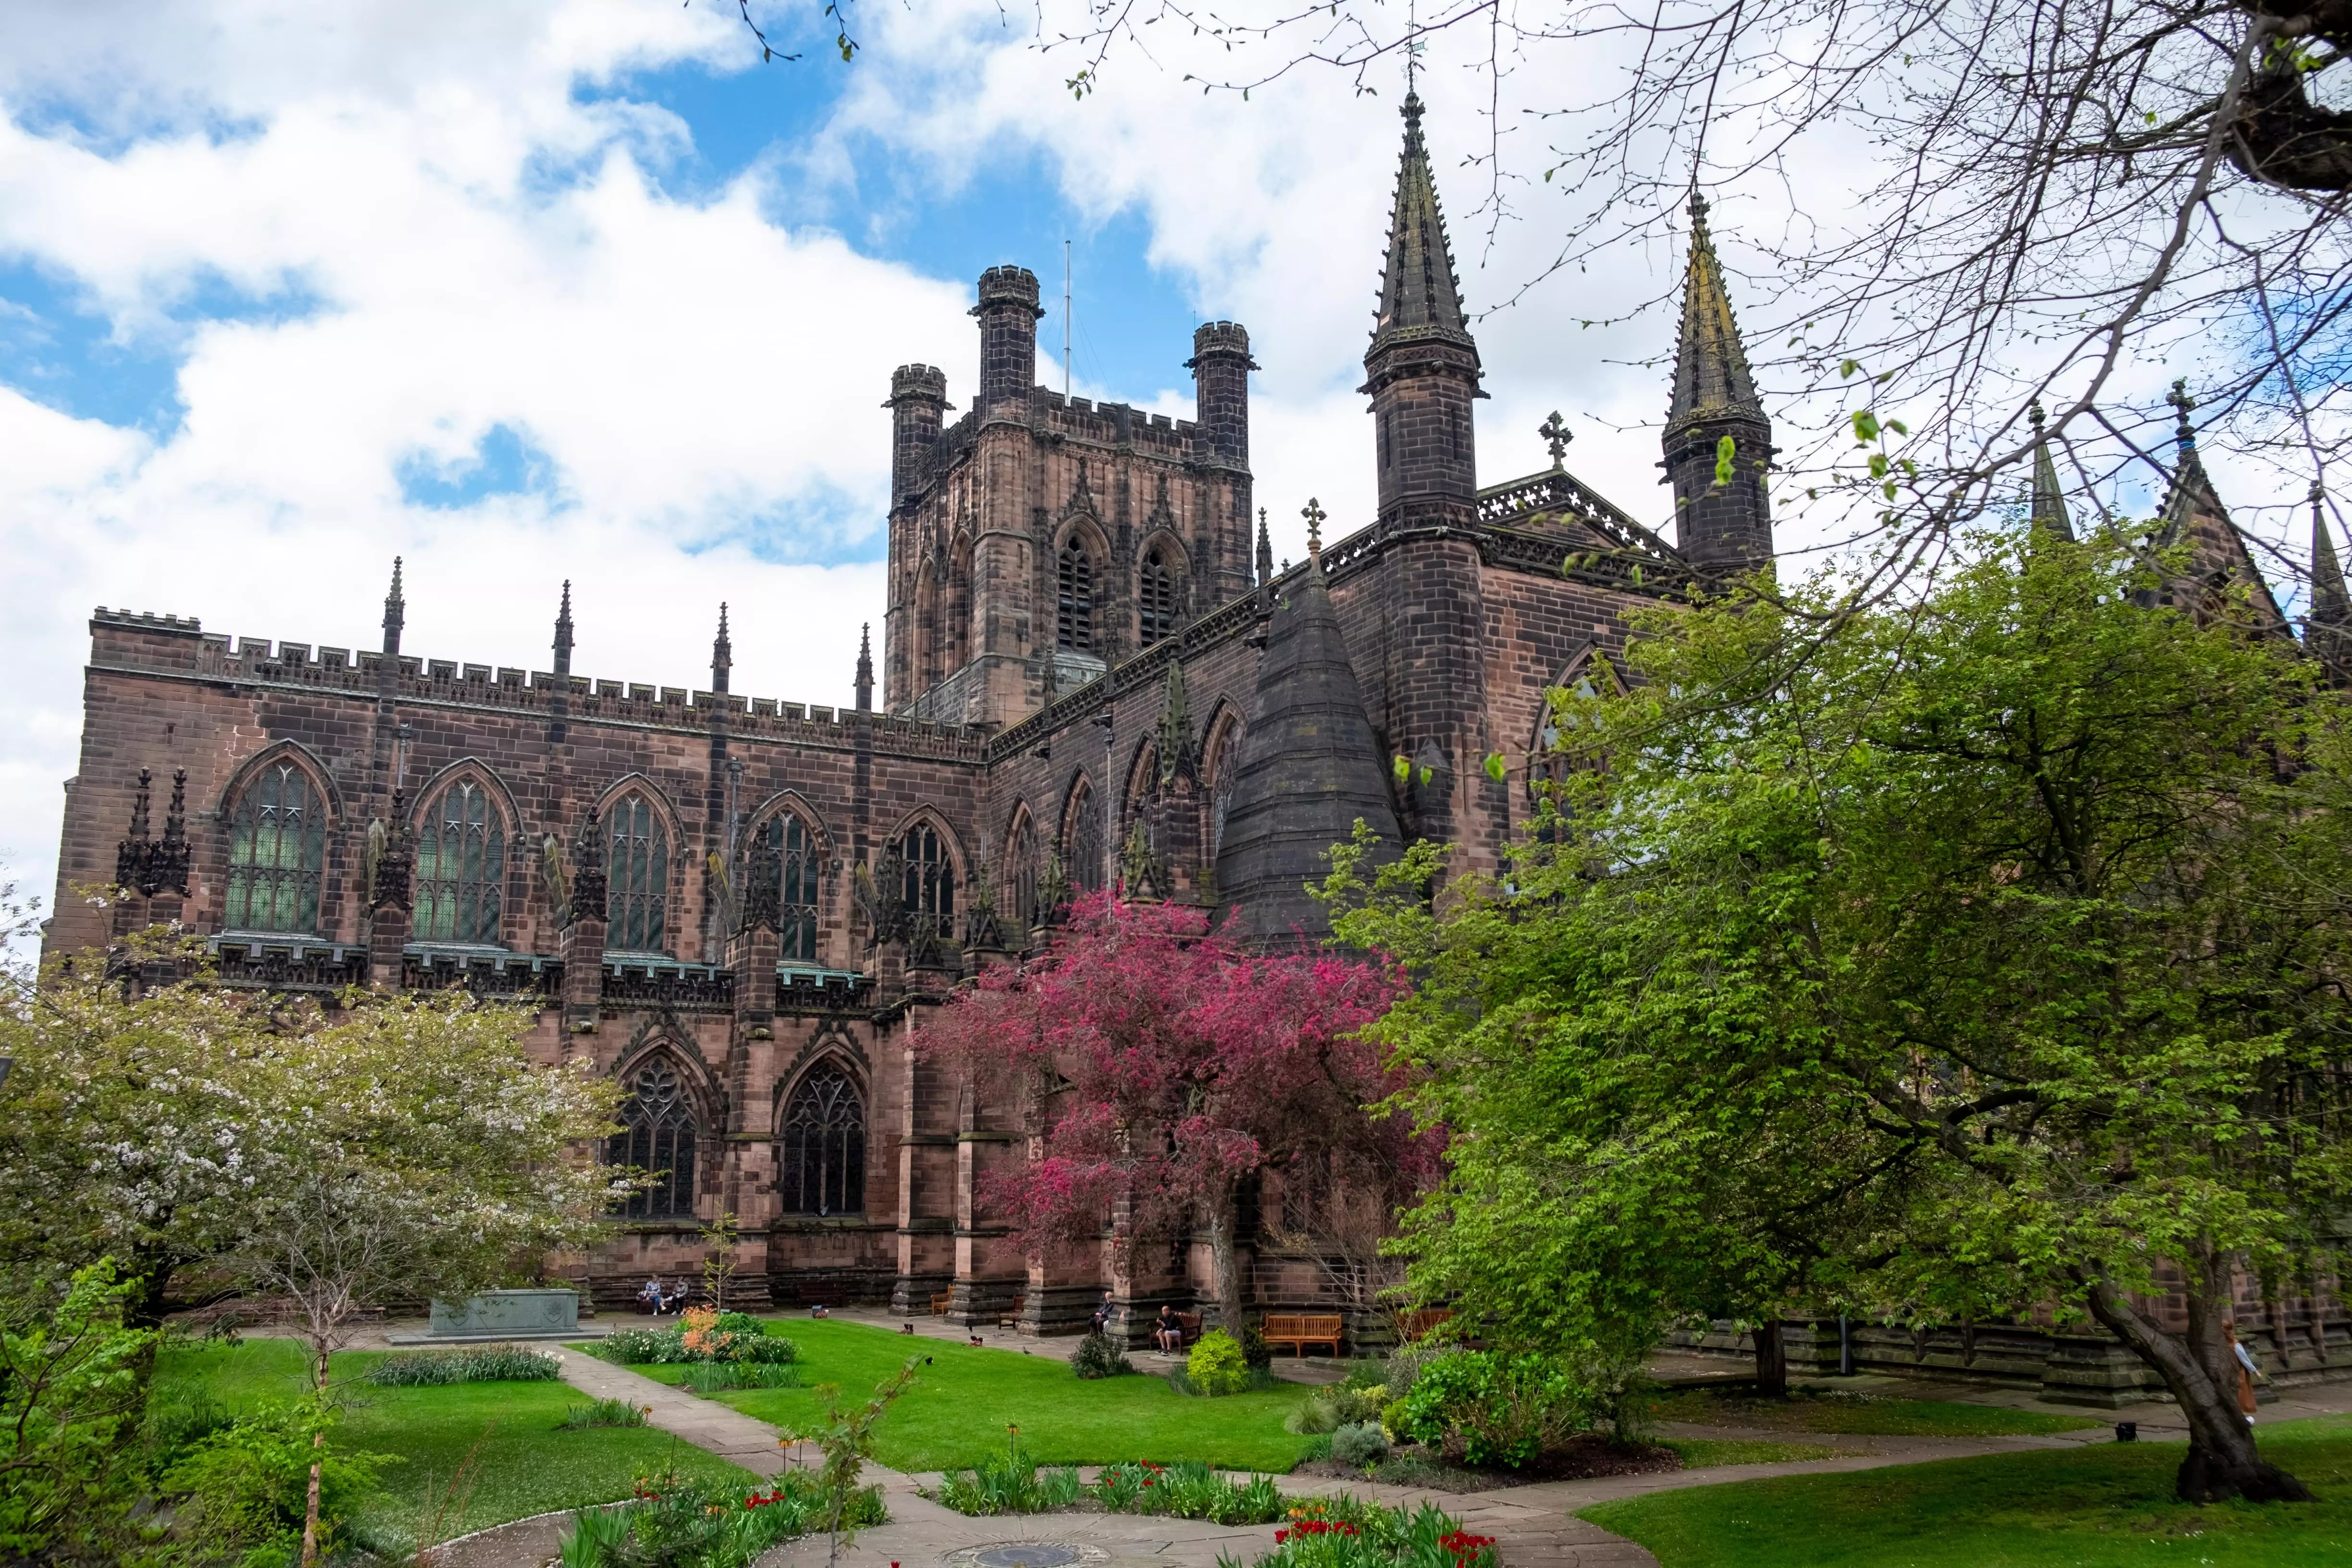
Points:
x=1314, y=513
x=2034, y=413
x=1557, y=436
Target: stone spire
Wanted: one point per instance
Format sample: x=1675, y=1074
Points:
x=722, y=655
x=865, y=667
x=2049, y=500
x=1309, y=770
x=1723, y=524
x=395, y=614
x=2219, y=559
x=2327, y=631
x=1423, y=368
x=1265, y=550
x=558, y=710
x=563, y=632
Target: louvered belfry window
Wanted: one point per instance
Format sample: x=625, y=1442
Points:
x=1156, y=599
x=656, y=1136
x=820, y=1168
x=278, y=842
x=461, y=855
x=638, y=876
x=1075, y=623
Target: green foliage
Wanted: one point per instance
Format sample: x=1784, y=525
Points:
x=1341, y=1532
x=719, y=1376
x=845, y=1438
x=1360, y=1443
x=1488, y=1408
x=1187, y=1489
x=1257, y=1353
x=1871, y=1415
x=244, y=1488
x=1329, y=1409
x=1217, y=1365
x=596, y=1533
x=1977, y=953
x=1096, y=1357
x=468, y=1364
x=603, y=1413
x=70, y=1390
x=1010, y=1482
x=1707, y=1453
x=733, y=1337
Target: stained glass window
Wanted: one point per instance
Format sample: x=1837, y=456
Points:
x=1074, y=626
x=1223, y=763
x=278, y=841
x=1021, y=876
x=657, y=1136
x=1084, y=831
x=820, y=1168
x=798, y=863
x=930, y=891
x=638, y=877
x=1156, y=599
x=461, y=857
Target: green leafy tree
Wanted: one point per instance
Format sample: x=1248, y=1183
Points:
x=845, y=1439
x=1987, y=956
x=71, y=1388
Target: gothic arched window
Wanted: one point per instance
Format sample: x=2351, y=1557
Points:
x=1225, y=761
x=1021, y=875
x=930, y=891
x=798, y=862
x=1083, y=832
x=278, y=841
x=637, y=873
x=656, y=1136
x=1156, y=599
x=1556, y=753
x=1074, y=624
x=461, y=859
x=820, y=1169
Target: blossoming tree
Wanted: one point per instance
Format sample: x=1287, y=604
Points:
x=1167, y=1063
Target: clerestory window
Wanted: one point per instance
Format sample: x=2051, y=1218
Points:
x=461, y=855
x=278, y=842
x=637, y=877
x=798, y=863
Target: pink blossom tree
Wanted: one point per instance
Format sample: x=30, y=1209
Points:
x=1171, y=1063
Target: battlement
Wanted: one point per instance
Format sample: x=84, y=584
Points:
x=121, y=641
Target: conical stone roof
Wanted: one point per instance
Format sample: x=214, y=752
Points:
x=1712, y=380
x=1309, y=770
x=1420, y=296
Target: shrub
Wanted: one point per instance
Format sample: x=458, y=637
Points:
x=641, y=1347
x=741, y=1323
x=1255, y=1351
x=1360, y=1443
x=1486, y=1407
x=1329, y=1409
x=681, y=1524
x=704, y=1336
x=1367, y=1371
x=468, y=1364
x=719, y=1376
x=1011, y=1483
x=246, y=1486
x=1216, y=1365
x=1189, y=1489
x=604, y=1413
x=1097, y=1356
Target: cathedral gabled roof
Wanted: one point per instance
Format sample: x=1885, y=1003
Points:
x=1420, y=296
x=1309, y=770
x=2049, y=498
x=2219, y=558
x=1712, y=380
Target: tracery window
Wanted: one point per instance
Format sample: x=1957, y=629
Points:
x=656, y=1136
x=638, y=876
x=820, y=1169
x=461, y=857
x=1225, y=761
x=1021, y=876
x=1083, y=832
x=929, y=891
x=1073, y=626
x=798, y=863
x=1156, y=599
x=278, y=842
x=1556, y=753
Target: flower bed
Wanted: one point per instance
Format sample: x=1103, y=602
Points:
x=678, y=1523
x=1015, y=1483
x=466, y=1363
x=703, y=1334
x=1342, y=1532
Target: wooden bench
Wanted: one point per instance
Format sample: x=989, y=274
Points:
x=1010, y=1317
x=1421, y=1324
x=1303, y=1329
x=940, y=1304
x=1191, y=1323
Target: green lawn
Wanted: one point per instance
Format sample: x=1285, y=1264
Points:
x=524, y=1466
x=2107, y=1505
x=1706, y=1453
x=966, y=1397
x=1862, y=1414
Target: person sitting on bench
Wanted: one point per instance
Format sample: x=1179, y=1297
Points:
x=651, y=1296
x=1169, y=1330
x=1100, y=1321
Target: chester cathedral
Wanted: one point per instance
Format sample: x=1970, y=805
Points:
x=1092, y=675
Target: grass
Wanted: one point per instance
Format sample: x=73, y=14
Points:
x=525, y=1466
x=955, y=1416
x=1862, y=1414
x=1706, y=1453
x=2109, y=1505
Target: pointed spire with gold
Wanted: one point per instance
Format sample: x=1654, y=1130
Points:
x=2049, y=498
x=1723, y=521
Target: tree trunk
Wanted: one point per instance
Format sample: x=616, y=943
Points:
x=1771, y=1360
x=1224, y=1263
x=2202, y=1375
x=318, y=1457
